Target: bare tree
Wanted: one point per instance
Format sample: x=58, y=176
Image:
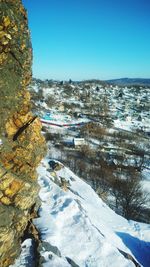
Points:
x=129, y=195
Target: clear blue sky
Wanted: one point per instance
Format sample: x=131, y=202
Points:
x=85, y=39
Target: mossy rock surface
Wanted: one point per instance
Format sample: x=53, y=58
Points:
x=22, y=145
x=15, y=57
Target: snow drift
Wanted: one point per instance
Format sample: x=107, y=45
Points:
x=78, y=229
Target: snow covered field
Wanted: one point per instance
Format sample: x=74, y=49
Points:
x=78, y=229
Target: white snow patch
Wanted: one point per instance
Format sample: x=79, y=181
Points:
x=83, y=227
x=79, y=227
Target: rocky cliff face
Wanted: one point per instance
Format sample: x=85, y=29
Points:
x=22, y=144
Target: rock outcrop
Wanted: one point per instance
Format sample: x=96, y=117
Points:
x=22, y=144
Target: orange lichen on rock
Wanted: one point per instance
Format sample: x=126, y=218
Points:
x=6, y=181
x=20, y=120
x=11, y=128
x=6, y=21
x=13, y=188
x=5, y=201
x=23, y=146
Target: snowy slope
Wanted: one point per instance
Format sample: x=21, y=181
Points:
x=78, y=229
x=82, y=227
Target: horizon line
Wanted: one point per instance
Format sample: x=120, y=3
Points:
x=92, y=79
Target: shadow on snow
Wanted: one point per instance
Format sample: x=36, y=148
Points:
x=139, y=248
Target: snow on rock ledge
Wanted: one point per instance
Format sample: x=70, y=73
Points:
x=78, y=229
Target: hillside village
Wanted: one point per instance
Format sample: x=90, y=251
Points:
x=97, y=100
x=101, y=131
x=98, y=156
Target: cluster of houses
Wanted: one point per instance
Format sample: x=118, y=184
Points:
x=96, y=100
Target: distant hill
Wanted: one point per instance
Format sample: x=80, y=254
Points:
x=130, y=81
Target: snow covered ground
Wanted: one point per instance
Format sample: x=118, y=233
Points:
x=78, y=229
x=132, y=125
